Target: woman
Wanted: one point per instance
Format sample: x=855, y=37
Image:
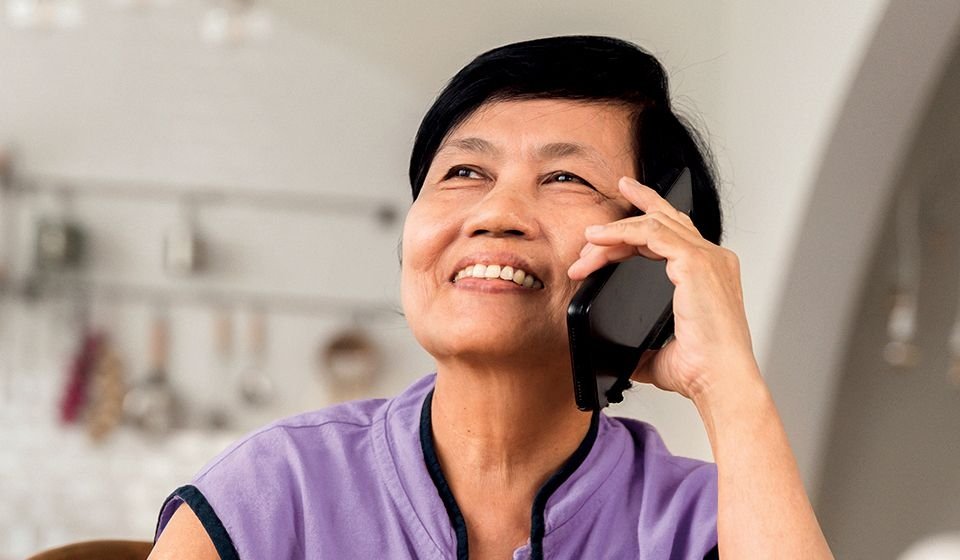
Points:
x=523, y=176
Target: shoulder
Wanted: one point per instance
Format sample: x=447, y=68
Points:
x=252, y=494
x=650, y=448
x=663, y=472
x=677, y=492
x=299, y=437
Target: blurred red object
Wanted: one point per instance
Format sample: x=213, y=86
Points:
x=78, y=377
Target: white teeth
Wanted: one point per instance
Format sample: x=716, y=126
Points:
x=496, y=271
x=493, y=271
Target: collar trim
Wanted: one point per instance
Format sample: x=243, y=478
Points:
x=537, y=520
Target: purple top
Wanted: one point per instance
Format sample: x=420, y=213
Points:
x=361, y=480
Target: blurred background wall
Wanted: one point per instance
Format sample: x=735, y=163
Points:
x=287, y=153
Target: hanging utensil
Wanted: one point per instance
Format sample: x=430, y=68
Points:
x=107, y=389
x=8, y=240
x=256, y=386
x=152, y=405
x=218, y=416
x=349, y=364
x=184, y=248
x=59, y=254
x=75, y=392
x=901, y=350
x=60, y=245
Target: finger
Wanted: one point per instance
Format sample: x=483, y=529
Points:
x=643, y=372
x=602, y=256
x=668, y=219
x=651, y=366
x=615, y=248
x=637, y=228
x=642, y=196
x=649, y=200
x=662, y=237
x=687, y=222
x=587, y=248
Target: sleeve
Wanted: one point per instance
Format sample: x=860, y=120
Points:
x=196, y=501
x=246, y=499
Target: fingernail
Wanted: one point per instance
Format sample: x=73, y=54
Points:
x=595, y=229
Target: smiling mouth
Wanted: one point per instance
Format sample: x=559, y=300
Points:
x=497, y=272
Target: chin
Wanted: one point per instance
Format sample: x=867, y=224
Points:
x=520, y=346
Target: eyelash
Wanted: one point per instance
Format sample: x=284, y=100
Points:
x=576, y=178
x=454, y=174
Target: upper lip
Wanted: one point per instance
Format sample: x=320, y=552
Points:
x=501, y=258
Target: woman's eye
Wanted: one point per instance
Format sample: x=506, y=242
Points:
x=464, y=173
x=564, y=177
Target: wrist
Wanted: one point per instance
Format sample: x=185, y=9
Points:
x=736, y=392
x=731, y=380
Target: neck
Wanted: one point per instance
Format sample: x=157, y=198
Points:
x=502, y=430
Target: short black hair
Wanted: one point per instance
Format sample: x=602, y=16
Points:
x=585, y=68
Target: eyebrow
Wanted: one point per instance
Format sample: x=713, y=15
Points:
x=472, y=145
x=553, y=150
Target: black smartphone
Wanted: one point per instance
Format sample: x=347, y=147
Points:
x=620, y=311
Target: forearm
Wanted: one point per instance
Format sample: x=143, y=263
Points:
x=764, y=511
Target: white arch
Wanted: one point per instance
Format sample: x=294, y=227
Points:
x=874, y=129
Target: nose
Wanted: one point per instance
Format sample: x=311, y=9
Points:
x=504, y=211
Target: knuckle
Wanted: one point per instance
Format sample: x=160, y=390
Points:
x=730, y=259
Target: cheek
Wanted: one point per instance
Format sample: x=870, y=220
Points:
x=426, y=233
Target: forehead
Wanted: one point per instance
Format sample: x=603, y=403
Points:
x=557, y=128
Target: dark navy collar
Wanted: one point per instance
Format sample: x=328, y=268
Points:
x=538, y=511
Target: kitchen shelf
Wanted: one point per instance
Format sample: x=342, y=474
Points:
x=162, y=296
x=385, y=212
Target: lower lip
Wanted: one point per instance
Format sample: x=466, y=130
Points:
x=491, y=286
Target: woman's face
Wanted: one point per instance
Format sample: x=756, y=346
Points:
x=514, y=185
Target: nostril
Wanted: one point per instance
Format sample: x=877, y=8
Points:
x=506, y=232
x=500, y=233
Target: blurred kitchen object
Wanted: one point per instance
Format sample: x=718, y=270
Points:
x=107, y=390
x=78, y=376
x=942, y=546
x=44, y=14
x=901, y=350
x=233, y=22
x=256, y=386
x=7, y=240
x=184, y=248
x=349, y=364
x=59, y=245
x=153, y=405
x=218, y=417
